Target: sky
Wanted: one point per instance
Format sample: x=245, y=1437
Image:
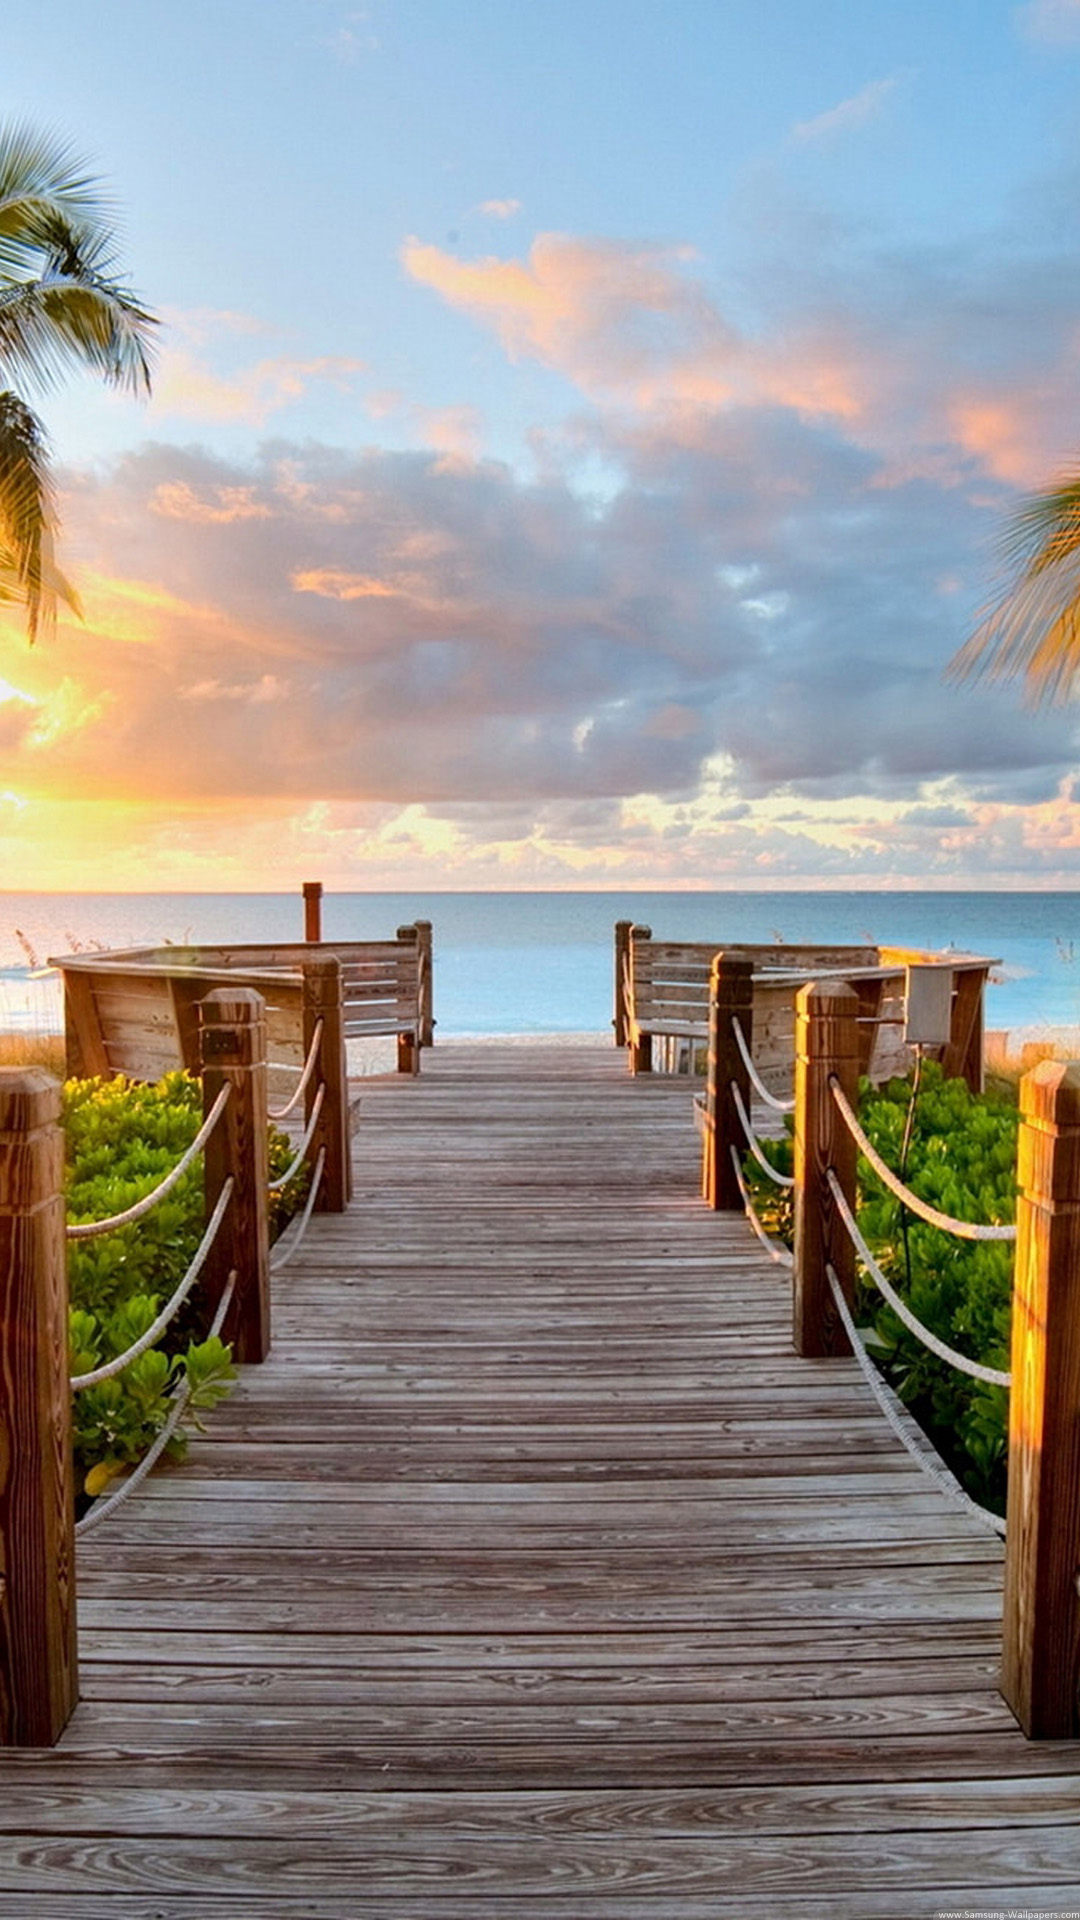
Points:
x=581, y=437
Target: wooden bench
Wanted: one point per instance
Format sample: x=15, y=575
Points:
x=662, y=992
x=135, y=1011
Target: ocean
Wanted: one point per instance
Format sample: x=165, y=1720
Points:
x=517, y=963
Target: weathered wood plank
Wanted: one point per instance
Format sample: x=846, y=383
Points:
x=533, y=1573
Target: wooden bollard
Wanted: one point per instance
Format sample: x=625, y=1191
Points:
x=731, y=997
x=622, y=962
x=408, y=1044
x=1040, y=1666
x=641, y=1048
x=322, y=1001
x=826, y=1046
x=313, y=910
x=427, y=990
x=233, y=1023
x=38, y=1652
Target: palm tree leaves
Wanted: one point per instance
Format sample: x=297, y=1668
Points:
x=27, y=516
x=62, y=304
x=1032, y=630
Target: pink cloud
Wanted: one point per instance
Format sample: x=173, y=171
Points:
x=615, y=318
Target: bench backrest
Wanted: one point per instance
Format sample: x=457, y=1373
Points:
x=136, y=1011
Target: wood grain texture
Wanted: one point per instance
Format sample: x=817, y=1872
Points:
x=827, y=1047
x=38, y=1656
x=233, y=1035
x=534, y=1575
x=1041, y=1652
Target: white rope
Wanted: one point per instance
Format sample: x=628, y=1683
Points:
x=89, y=1229
x=754, y=1144
x=294, y=1167
x=927, y=1460
x=180, y=1397
x=280, y=1257
x=992, y=1375
x=109, y=1369
x=282, y=1113
x=758, y=1084
x=782, y=1256
x=964, y=1229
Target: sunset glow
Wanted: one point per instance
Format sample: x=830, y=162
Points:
x=551, y=495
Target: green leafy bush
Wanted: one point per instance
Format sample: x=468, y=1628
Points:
x=122, y=1139
x=962, y=1160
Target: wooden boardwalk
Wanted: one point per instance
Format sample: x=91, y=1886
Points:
x=534, y=1576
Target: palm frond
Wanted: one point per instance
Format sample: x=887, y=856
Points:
x=48, y=325
x=27, y=516
x=62, y=303
x=40, y=174
x=1031, y=631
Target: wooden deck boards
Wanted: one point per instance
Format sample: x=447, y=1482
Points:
x=534, y=1576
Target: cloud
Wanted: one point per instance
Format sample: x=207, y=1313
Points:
x=191, y=391
x=614, y=317
x=943, y=367
x=854, y=112
x=202, y=376
x=702, y=639
x=1054, y=21
x=500, y=209
x=176, y=501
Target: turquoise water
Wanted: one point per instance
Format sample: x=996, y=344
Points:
x=541, y=962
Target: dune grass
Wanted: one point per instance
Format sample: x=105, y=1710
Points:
x=33, y=1049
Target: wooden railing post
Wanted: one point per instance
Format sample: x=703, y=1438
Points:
x=1040, y=1667
x=323, y=1001
x=826, y=1045
x=622, y=961
x=234, y=1054
x=313, y=910
x=38, y=1653
x=427, y=989
x=963, y=1056
x=731, y=997
x=641, y=1047
x=408, y=1044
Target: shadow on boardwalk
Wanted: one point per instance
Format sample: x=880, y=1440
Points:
x=533, y=1575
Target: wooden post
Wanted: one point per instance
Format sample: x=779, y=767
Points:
x=826, y=1044
x=313, y=910
x=622, y=962
x=408, y=1044
x=731, y=997
x=427, y=991
x=963, y=1057
x=640, y=1043
x=1040, y=1666
x=234, y=1055
x=38, y=1652
x=85, y=1057
x=322, y=1001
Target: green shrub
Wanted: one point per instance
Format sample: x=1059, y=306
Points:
x=122, y=1138
x=962, y=1160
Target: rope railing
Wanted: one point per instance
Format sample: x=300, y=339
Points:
x=110, y=1368
x=925, y=1458
x=754, y=1144
x=89, y=1229
x=281, y=1256
x=964, y=1229
x=993, y=1376
x=282, y=1113
x=295, y=1164
x=758, y=1084
x=777, y=1253
x=180, y=1396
